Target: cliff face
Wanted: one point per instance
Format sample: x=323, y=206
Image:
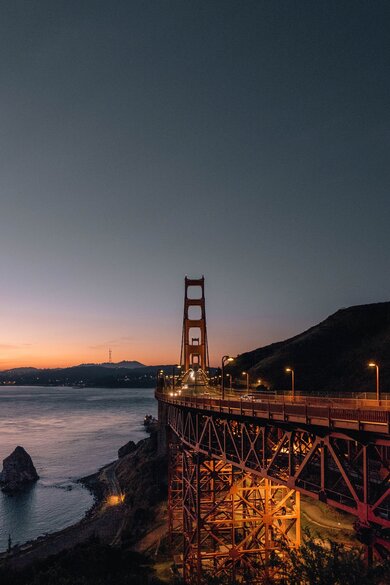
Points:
x=18, y=471
x=142, y=476
x=331, y=356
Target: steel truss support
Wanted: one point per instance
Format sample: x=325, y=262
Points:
x=233, y=521
x=175, y=493
x=349, y=472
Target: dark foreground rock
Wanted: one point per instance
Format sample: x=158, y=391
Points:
x=126, y=449
x=88, y=563
x=18, y=471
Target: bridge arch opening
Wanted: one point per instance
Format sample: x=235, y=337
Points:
x=195, y=312
x=194, y=292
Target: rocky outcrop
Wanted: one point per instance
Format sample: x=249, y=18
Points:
x=126, y=449
x=142, y=476
x=18, y=471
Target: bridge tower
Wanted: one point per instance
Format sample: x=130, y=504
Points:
x=194, y=348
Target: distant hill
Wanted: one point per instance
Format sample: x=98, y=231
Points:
x=331, y=356
x=90, y=375
x=19, y=371
x=123, y=364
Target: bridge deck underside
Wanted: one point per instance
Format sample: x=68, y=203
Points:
x=350, y=472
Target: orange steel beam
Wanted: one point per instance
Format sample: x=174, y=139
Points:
x=233, y=521
x=175, y=493
x=348, y=471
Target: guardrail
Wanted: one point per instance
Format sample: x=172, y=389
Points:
x=347, y=414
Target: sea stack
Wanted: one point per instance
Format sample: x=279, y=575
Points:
x=18, y=471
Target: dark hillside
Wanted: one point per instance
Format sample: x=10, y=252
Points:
x=92, y=375
x=331, y=356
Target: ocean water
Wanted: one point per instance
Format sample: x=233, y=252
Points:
x=69, y=433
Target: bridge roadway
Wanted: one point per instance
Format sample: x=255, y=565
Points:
x=334, y=450
x=334, y=413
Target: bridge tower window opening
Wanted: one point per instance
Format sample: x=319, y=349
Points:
x=195, y=291
x=195, y=359
x=195, y=312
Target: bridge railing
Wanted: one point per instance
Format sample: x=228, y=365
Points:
x=335, y=413
x=357, y=399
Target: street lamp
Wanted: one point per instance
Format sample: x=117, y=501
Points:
x=247, y=381
x=225, y=359
x=374, y=365
x=292, y=381
x=230, y=382
x=160, y=379
x=173, y=374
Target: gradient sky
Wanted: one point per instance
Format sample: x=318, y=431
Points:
x=144, y=140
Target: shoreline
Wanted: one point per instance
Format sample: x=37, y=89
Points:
x=21, y=555
x=118, y=504
x=93, y=485
x=92, y=524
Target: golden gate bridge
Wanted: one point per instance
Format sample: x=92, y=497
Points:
x=236, y=468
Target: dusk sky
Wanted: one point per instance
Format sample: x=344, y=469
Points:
x=141, y=141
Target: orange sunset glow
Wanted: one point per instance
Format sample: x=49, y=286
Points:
x=66, y=341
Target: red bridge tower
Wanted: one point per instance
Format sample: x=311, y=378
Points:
x=194, y=348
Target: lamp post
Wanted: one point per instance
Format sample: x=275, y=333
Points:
x=225, y=359
x=160, y=378
x=230, y=382
x=292, y=381
x=247, y=381
x=374, y=365
x=173, y=374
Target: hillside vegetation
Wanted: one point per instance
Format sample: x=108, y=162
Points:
x=331, y=356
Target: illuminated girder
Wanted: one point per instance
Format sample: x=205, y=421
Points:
x=233, y=521
x=349, y=472
x=175, y=493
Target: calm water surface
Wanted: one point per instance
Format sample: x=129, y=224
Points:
x=69, y=433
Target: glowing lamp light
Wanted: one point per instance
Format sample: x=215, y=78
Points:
x=376, y=366
x=115, y=500
x=291, y=371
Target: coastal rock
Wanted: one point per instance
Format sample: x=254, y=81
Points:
x=18, y=471
x=126, y=449
x=142, y=476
